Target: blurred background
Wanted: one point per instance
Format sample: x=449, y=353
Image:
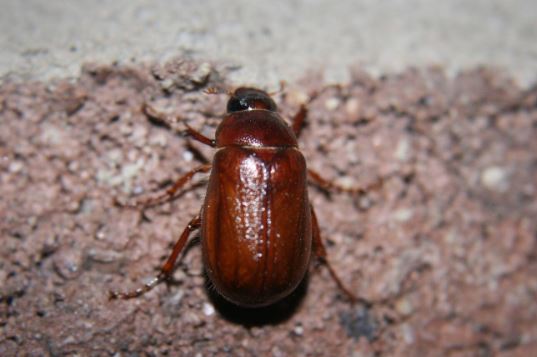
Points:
x=272, y=40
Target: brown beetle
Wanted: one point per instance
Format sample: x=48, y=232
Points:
x=258, y=229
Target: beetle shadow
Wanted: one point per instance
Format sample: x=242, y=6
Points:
x=259, y=316
x=273, y=314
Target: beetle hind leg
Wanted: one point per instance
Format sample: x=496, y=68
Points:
x=320, y=252
x=166, y=269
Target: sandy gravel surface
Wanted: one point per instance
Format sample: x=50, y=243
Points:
x=445, y=249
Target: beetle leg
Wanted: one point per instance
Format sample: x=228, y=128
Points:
x=298, y=120
x=169, y=193
x=158, y=116
x=300, y=117
x=170, y=121
x=330, y=185
x=320, y=252
x=196, y=135
x=166, y=269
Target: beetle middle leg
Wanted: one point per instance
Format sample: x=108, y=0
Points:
x=170, y=192
x=166, y=269
x=168, y=195
x=297, y=125
x=320, y=252
x=330, y=185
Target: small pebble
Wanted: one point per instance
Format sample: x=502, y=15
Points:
x=208, y=309
x=331, y=103
x=167, y=84
x=188, y=156
x=15, y=167
x=402, y=150
x=408, y=334
x=495, y=178
x=298, y=330
x=201, y=75
x=403, y=214
x=352, y=107
x=404, y=306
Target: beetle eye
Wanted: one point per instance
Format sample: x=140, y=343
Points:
x=237, y=104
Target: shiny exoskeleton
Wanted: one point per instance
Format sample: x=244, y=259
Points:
x=258, y=229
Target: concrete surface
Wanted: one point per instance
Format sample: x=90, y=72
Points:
x=272, y=40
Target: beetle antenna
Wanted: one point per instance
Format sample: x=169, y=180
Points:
x=212, y=90
x=280, y=90
x=216, y=90
x=159, y=117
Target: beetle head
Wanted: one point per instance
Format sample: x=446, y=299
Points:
x=249, y=99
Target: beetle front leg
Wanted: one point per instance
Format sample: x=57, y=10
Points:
x=299, y=119
x=166, y=269
x=320, y=252
x=170, y=122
